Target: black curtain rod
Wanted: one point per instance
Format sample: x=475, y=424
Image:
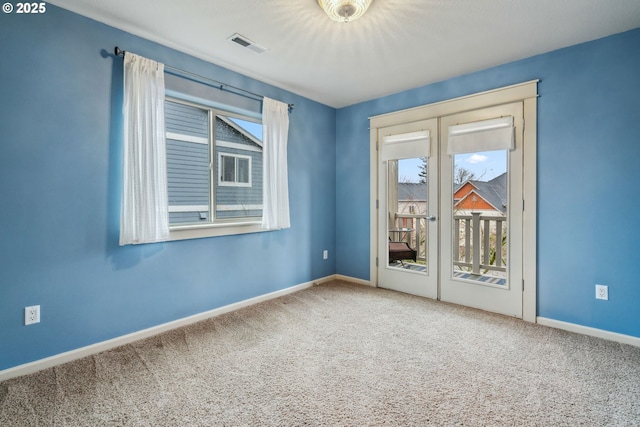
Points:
x=205, y=80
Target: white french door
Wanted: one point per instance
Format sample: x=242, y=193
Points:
x=408, y=204
x=446, y=228
x=481, y=218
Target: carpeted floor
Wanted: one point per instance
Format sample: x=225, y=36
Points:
x=341, y=355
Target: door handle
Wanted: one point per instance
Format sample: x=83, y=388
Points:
x=431, y=218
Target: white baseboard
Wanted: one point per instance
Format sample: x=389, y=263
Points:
x=593, y=332
x=353, y=280
x=59, y=359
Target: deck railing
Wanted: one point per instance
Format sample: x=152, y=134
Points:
x=481, y=245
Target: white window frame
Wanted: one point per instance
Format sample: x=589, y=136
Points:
x=235, y=182
x=224, y=226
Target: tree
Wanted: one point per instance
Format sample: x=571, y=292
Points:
x=423, y=171
x=461, y=175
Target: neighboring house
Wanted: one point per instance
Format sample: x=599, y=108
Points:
x=487, y=197
x=239, y=171
x=237, y=161
x=412, y=198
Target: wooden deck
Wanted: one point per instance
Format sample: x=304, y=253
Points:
x=483, y=278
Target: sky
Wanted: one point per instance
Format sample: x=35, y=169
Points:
x=485, y=165
x=254, y=128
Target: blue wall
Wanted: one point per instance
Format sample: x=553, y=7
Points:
x=588, y=171
x=60, y=168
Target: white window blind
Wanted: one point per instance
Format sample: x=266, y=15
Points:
x=485, y=135
x=406, y=145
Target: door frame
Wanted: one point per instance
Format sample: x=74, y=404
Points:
x=527, y=93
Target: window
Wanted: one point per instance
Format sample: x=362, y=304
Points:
x=235, y=170
x=214, y=168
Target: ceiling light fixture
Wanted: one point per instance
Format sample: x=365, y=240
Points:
x=344, y=10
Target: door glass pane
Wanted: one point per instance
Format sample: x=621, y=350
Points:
x=480, y=217
x=407, y=211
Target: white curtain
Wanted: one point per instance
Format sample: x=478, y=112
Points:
x=485, y=135
x=144, y=216
x=275, y=182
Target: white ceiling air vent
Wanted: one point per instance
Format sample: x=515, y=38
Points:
x=245, y=42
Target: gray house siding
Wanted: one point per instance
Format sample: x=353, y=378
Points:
x=188, y=175
x=187, y=162
x=225, y=132
x=188, y=167
x=186, y=120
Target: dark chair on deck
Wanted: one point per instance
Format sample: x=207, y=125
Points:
x=399, y=251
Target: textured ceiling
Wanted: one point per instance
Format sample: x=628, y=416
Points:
x=396, y=45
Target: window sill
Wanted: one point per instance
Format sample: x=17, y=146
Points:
x=214, y=230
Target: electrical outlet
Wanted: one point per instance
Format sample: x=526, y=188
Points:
x=602, y=292
x=325, y=254
x=32, y=315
